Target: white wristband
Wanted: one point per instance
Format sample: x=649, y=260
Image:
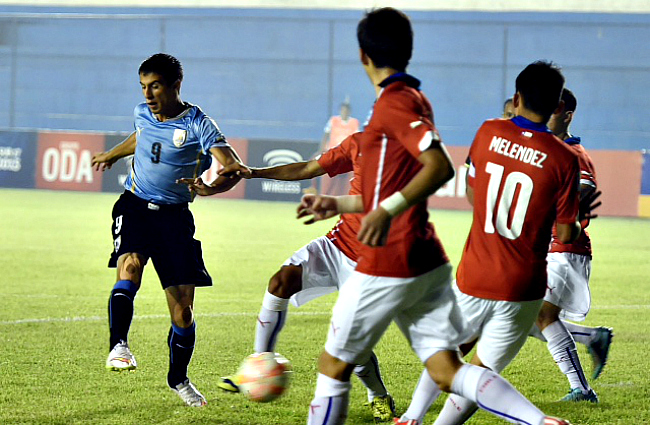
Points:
x=395, y=204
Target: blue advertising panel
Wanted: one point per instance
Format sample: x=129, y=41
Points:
x=114, y=177
x=270, y=153
x=17, y=159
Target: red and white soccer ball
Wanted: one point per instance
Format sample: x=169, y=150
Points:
x=263, y=377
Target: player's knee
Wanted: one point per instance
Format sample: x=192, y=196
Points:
x=442, y=378
x=183, y=316
x=130, y=268
x=285, y=282
x=545, y=317
x=442, y=368
x=334, y=367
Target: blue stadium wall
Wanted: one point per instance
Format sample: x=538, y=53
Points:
x=279, y=74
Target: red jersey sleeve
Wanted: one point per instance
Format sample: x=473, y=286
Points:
x=338, y=160
x=567, y=204
x=587, y=169
x=408, y=118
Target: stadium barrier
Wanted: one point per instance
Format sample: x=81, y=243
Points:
x=62, y=161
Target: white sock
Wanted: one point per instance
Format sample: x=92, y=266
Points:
x=426, y=392
x=330, y=403
x=495, y=395
x=581, y=334
x=370, y=376
x=457, y=410
x=564, y=352
x=270, y=322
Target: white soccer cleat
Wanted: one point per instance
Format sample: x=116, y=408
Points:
x=190, y=395
x=120, y=358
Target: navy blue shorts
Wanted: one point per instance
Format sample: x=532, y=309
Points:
x=164, y=233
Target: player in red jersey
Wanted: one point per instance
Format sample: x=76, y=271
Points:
x=402, y=273
x=522, y=179
x=567, y=294
x=576, y=283
x=318, y=268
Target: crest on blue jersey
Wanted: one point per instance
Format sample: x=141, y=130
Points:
x=180, y=136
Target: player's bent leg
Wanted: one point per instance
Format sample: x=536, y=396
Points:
x=458, y=410
x=330, y=403
x=120, y=311
x=426, y=392
x=598, y=341
x=270, y=321
x=496, y=395
x=562, y=347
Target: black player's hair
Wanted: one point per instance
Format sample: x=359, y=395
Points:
x=385, y=35
x=570, y=101
x=167, y=66
x=540, y=84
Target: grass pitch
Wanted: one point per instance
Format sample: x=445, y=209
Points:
x=54, y=249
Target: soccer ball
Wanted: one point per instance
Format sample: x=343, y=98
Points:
x=263, y=377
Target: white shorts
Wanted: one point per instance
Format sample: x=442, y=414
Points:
x=500, y=326
x=424, y=308
x=568, y=284
x=324, y=269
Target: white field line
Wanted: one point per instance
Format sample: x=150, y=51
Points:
x=242, y=314
x=145, y=317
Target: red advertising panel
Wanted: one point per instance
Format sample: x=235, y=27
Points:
x=63, y=161
x=237, y=192
x=619, y=178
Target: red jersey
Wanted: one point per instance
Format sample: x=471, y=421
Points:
x=342, y=159
x=401, y=127
x=582, y=245
x=524, y=179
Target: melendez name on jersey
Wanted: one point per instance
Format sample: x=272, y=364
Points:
x=170, y=150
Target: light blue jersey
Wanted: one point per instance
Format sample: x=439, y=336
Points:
x=170, y=150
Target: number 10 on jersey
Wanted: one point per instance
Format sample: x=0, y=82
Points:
x=506, y=209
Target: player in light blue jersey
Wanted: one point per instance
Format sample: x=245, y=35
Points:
x=151, y=219
x=188, y=139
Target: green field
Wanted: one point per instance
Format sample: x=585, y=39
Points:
x=54, y=337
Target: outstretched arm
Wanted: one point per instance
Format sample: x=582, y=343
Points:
x=322, y=207
x=105, y=160
x=289, y=172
